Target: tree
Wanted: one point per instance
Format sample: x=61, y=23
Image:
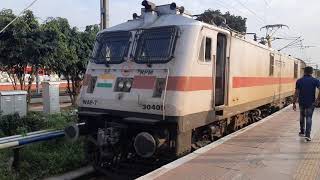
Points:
x=41, y=45
x=237, y=23
x=84, y=42
x=11, y=49
x=72, y=54
x=24, y=44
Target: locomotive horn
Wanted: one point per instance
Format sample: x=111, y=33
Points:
x=135, y=16
x=173, y=6
x=149, y=6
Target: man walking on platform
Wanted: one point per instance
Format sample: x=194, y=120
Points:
x=305, y=92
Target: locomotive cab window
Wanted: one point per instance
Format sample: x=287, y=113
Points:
x=156, y=45
x=205, y=52
x=111, y=47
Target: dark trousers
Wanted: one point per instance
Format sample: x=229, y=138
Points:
x=306, y=119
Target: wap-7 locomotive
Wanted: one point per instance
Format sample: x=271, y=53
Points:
x=164, y=83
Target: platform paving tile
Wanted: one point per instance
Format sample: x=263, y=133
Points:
x=226, y=156
x=309, y=167
x=271, y=150
x=204, y=171
x=254, y=174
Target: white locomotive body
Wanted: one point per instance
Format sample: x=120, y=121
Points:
x=163, y=81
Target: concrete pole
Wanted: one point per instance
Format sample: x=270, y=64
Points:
x=104, y=11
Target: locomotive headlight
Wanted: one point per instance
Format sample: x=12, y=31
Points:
x=121, y=85
x=128, y=84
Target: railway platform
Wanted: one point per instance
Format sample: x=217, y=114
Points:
x=268, y=149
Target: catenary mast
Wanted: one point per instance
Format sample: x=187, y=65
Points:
x=104, y=11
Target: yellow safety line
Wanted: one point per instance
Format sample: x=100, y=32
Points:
x=309, y=167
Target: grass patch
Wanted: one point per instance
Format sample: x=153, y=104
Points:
x=41, y=159
x=34, y=121
x=5, y=169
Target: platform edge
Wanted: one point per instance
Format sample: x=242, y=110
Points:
x=166, y=168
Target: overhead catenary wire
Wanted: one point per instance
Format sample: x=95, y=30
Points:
x=251, y=11
x=227, y=7
x=267, y=3
x=30, y=5
x=294, y=42
x=238, y=10
x=222, y=5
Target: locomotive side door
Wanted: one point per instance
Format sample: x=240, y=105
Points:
x=207, y=54
x=220, y=70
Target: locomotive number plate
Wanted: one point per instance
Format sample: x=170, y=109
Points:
x=90, y=102
x=152, y=107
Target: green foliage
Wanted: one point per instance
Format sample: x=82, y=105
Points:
x=5, y=170
x=51, y=158
x=237, y=23
x=24, y=44
x=72, y=54
x=44, y=160
x=10, y=124
x=54, y=45
x=41, y=159
x=59, y=121
x=34, y=121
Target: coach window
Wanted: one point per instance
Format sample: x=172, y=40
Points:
x=205, y=52
x=271, y=67
x=295, y=70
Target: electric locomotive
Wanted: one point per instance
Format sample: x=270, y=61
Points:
x=162, y=82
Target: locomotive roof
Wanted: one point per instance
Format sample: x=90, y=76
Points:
x=168, y=18
x=163, y=20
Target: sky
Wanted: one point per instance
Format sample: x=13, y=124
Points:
x=300, y=16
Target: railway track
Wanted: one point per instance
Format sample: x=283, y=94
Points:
x=125, y=172
x=81, y=173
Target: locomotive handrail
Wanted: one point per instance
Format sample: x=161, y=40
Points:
x=164, y=97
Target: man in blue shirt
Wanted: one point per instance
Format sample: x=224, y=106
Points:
x=305, y=92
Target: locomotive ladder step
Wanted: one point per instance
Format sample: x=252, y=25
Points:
x=219, y=112
x=219, y=108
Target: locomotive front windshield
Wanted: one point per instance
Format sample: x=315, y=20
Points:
x=152, y=46
x=156, y=45
x=111, y=47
